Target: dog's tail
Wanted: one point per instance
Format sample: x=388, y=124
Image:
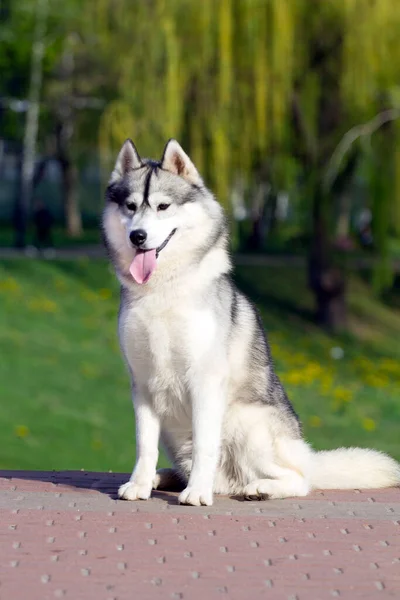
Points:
x=352, y=468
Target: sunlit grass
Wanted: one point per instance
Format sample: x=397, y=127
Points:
x=65, y=392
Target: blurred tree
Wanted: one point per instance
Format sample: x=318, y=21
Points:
x=39, y=47
x=250, y=84
x=265, y=94
x=32, y=121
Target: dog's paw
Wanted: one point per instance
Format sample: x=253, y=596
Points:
x=257, y=490
x=133, y=491
x=196, y=497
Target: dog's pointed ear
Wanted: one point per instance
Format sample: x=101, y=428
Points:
x=176, y=161
x=128, y=159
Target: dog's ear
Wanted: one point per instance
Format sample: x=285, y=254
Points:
x=175, y=160
x=128, y=159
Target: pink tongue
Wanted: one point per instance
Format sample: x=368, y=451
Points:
x=143, y=265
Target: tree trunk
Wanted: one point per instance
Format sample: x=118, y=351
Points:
x=325, y=279
x=256, y=238
x=64, y=131
x=72, y=213
x=24, y=197
x=73, y=218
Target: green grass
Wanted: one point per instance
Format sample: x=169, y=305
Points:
x=65, y=392
x=90, y=236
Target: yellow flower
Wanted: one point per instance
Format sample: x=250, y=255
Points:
x=298, y=358
x=293, y=377
x=60, y=284
x=89, y=296
x=376, y=380
x=368, y=424
x=364, y=363
x=96, y=443
x=390, y=366
x=42, y=305
x=326, y=380
x=21, y=431
x=90, y=323
x=315, y=421
x=105, y=293
x=342, y=394
x=10, y=285
x=89, y=371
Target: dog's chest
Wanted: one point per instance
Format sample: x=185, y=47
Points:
x=160, y=345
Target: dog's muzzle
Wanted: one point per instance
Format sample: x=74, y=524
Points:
x=165, y=242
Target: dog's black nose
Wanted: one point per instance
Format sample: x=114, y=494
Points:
x=138, y=237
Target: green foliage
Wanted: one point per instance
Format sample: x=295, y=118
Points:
x=254, y=89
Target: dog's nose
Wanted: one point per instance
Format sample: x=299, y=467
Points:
x=138, y=237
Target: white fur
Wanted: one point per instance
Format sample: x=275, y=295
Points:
x=349, y=468
x=190, y=370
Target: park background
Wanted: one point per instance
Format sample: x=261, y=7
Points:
x=290, y=109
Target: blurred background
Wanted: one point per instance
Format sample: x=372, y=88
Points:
x=291, y=111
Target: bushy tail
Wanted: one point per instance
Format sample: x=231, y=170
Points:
x=352, y=468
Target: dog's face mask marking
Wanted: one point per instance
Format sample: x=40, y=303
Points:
x=161, y=206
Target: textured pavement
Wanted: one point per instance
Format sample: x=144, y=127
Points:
x=65, y=535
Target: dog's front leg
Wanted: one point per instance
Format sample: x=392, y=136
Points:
x=147, y=436
x=208, y=404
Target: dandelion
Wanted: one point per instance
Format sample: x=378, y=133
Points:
x=115, y=347
x=376, y=380
x=389, y=364
x=342, y=394
x=298, y=358
x=10, y=285
x=89, y=296
x=105, y=294
x=368, y=424
x=326, y=381
x=42, y=305
x=96, y=443
x=315, y=421
x=364, y=363
x=90, y=323
x=390, y=367
x=60, y=284
x=294, y=377
x=89, y=371
x=21, y=431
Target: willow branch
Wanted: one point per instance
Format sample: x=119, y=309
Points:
x=363, y=130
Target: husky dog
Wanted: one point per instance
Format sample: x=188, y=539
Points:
x=203, y=380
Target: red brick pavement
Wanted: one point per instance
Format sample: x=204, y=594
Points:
x=65, y=535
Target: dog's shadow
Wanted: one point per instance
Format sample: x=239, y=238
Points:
x=102, y=483
x=69, y=481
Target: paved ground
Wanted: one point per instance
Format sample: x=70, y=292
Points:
x=64, y=535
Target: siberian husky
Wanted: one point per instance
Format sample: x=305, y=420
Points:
x=203, y=381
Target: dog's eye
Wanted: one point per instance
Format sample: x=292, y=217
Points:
x=162, y=206
x=131, y=206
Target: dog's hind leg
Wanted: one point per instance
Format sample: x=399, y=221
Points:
x=284, y=483
x=282, y=472
x=169, y=480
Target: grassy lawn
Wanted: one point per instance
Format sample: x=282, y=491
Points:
x=91, y=235
x=65, y=392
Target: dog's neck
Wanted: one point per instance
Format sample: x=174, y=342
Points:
x=180, y=277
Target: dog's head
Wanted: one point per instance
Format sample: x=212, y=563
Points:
x=159, y=215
